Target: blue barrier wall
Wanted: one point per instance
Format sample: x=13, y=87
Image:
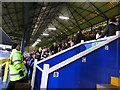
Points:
x=37, y=79
x=59, y=58
x=56, y=60
x=100, y=66
x=89, y=45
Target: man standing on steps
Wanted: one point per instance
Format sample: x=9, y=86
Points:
x=16, y=67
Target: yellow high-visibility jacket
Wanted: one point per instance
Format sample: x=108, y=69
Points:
x=15, y=65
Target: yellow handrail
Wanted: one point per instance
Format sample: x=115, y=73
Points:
x=6, y=72
x=6, y=63
x=3, y=61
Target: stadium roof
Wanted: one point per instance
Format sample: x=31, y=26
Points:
x=4, y=38
x=32, y=19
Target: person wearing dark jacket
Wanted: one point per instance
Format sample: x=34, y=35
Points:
x=111, y=28
x=54, y=48
x=38, y=55
x=79, y=37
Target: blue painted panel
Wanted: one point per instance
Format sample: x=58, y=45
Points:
x=56, y=60
x=118, y=56
x=68, y=54
x=38, y=77
x=100, y=66
x=63, y=56
x=89, y=45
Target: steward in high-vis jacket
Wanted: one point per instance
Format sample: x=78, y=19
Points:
x=16, y=66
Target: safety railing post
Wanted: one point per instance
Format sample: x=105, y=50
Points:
x=33, y=74
x=44, y=79
x=82, y=41
x=118, y=33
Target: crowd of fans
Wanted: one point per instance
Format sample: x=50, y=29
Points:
x=42, y=53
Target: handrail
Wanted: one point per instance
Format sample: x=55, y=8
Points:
x=6, y=72
x=6, y=69
x=2, y=65
x=52, y=56
x=4, y=62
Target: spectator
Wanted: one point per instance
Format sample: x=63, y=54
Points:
x=93, y=35
x=71, y=43
x=59, y=47
x=98, y=33
x=54, y=48
x=87, y=36
x=111, y=28
x=38, y=55
x=79, y=37
x=119, y=24
x=64, y=46
x=40, y=50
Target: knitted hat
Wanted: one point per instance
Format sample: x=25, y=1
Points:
x=14, y=45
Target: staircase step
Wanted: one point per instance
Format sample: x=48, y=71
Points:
x=115, y=81
x=22, y=86
x=107, y=87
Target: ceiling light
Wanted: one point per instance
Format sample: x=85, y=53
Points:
x=63, y=17
x=36, y=26
x=38, y=40
x=35, y=44
x=45, y=34
x=52, y=28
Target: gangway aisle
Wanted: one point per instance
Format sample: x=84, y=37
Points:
x=84, y=69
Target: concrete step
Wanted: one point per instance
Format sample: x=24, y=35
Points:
x=107, y=87
x=22, y=86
